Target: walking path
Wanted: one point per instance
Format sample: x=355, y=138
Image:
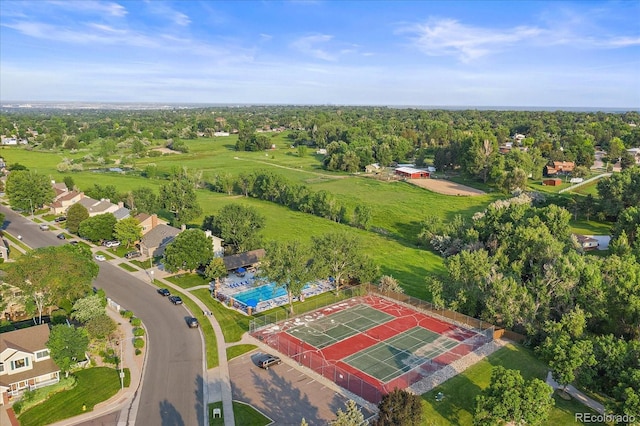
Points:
x=575, y=393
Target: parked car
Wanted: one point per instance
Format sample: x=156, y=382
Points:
x=74, y=242
x=44, y=227
x=133, y=254
x=100, y=258
x=164, y=292
x=61, y=236
x=269, y=360
x=111, y=244
x=61, y=219
x=193, y=322
x=176, y=300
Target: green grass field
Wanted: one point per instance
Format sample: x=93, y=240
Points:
x=94, y=385
x=460, y=391
x=243, y=414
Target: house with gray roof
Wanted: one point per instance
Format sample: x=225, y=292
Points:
x=155, y=241
x=95, y=207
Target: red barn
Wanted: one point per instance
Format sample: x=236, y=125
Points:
x=552, y=182
x=411, y=173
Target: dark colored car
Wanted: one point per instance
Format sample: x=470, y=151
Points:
x=133, y=254
x=61, y=219
x=61, y=236
x=164, y=292
x=193, y=322
x=74, y=242
x=269, y=360
x=176, y=300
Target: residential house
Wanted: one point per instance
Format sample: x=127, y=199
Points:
x=25, y=362
x=373, y=168
x=4, y=250
x=243, y=260
x=66, y=199
x=218, y=250
x=148, y=222
x=635, y=152
x=95, y=207
x=559, y=168
x=587, y=242
x=155, y=241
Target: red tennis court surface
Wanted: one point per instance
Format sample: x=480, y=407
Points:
x=370, y=345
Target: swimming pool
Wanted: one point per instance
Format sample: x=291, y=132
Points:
x=262, y=293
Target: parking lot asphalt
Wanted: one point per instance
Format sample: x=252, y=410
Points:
x=283, y=393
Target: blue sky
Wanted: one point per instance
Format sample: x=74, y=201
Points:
x=428, y=53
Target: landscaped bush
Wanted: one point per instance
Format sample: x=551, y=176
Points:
x=126, y=314
x=59, y=317
x=136, y=322
x=138, y=343
x=138, y=331
x=138, y=351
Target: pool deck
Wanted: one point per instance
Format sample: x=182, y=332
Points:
x=232, y=285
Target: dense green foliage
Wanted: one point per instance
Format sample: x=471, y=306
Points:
x=45, y=286
x=28, y=190
x=399, y=408
x=509, y=400
x=189, y=250
x=238, y=226
x=67, y=345
x=98, y=228
x=75, y=215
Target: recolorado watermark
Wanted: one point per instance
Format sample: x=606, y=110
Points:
x=604, y=418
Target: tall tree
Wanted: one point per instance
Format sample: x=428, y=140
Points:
x=144, y=200
x=69, y=183
x=351, y=416
x=45, y=286
x=289, y=265
x=399, y=408
x=238, y=226
x=179, y=198
x=340, y=256
x=88, y=307
x=564, y=349
x=215, y=269
x=509, y=400
x=98, y=228
x=362, y=216
x=188, y=250
x=67, y=345
x=28, y=190
x=75, y=215
x=127, y=231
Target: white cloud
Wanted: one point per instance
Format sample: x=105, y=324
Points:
x=309, y=46
x=449, y=37
x=165, y=11
x=101, y=7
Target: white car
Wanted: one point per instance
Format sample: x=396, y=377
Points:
x=112, y=244
x=100, y=258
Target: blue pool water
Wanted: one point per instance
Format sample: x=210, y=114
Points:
x=262, y=293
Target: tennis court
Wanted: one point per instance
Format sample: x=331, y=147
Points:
x=370, y=344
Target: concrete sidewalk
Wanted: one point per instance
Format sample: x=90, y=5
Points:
x=126, y=400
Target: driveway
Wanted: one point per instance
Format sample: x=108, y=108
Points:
x=283, y=393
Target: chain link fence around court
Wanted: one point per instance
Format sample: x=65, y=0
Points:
x=325, y=299
x=313, y=358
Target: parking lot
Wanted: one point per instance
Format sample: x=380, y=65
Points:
x=283, y=393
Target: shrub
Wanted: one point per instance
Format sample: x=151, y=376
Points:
x=126, y=314
x=17, y=407
x=136, y=322
x=138, y=351
x=138, y=331
x=138, y=343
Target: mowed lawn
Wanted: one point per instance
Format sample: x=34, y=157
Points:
x=460, y=391
x=93, y=386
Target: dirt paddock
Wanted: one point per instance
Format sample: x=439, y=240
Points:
x=446, y=187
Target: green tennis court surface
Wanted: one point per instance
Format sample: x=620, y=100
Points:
x=389, y=359
x=328, y=330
